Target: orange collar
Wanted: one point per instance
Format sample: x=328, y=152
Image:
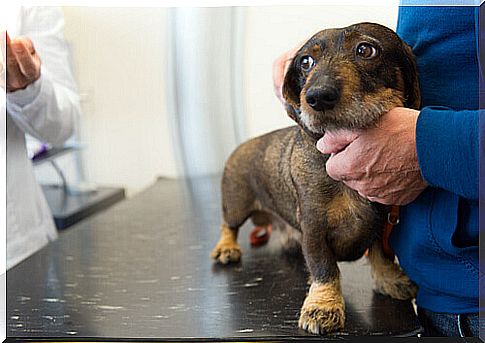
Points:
x=392, y=219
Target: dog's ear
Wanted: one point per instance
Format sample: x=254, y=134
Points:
x=292, y=88
x=411, y=80
x=292, y=112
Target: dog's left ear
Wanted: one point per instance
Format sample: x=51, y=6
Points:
x=411, y=80
x=292, y=89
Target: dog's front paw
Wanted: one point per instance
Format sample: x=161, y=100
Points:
x=323, y=310
x=226, y=252
x=319, y=320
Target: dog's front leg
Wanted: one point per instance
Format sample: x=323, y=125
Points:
x=324, y=308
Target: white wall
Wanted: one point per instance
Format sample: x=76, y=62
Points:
x=274, y=30
x=120, y=59
x=204, y=73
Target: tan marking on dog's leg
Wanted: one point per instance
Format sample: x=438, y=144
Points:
x=227, y=249
x=389, y=277
x=323, y=309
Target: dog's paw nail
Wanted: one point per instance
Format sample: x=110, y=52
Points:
x=318, y=320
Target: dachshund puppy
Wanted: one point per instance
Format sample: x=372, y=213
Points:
x=340, y=78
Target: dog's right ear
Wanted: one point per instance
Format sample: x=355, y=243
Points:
x=292, y=88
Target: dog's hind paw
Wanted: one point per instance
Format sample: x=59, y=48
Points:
x=323, y=310
x=399, y=287
x=227, y=249
x=389, y=278
x=226, y=253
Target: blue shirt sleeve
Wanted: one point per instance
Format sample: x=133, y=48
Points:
x=447, y=146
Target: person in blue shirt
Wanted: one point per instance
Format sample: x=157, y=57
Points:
x=427, y=162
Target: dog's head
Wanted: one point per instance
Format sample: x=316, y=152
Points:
x=349, y=77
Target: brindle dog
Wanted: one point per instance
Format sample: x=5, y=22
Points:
x=340, y=78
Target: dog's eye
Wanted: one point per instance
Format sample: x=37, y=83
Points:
x=366, y=51
x=306, y=63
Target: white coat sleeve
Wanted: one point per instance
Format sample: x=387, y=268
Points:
x=47, y=108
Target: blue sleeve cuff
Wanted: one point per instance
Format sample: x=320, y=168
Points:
x=447, y=148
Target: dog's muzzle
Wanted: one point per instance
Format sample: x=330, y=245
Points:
x=322, y=98
x=323, y=93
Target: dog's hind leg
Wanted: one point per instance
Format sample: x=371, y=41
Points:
x=263, y=228
x=227, y=249
x=388, y=276
x=238, y=202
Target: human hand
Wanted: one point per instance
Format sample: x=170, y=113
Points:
x=380, y=163
x=22, y=65
x=3, y=53
x=280, y=67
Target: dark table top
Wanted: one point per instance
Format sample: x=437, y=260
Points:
x=142, y=270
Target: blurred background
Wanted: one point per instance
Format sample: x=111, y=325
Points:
x=170, y=92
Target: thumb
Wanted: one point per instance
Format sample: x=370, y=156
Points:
x=335, y=141
x=338, y=167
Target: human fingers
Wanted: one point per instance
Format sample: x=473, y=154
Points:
x=363, y=187
x=334, y=142
x=3, y=40
x=27, y=58
x=280, y=67
x=339, y=167
x=383, y=201
x=389, y=196
x=14, y=75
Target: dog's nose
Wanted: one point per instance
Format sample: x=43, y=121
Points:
x=322, y=98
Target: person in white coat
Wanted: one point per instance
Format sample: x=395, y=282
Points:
x=40, y=98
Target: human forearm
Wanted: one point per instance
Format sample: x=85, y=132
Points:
x=447, y=149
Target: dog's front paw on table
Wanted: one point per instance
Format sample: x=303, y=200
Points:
x=323, y=310
x=318, y=320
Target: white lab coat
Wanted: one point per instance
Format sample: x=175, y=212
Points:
x=46, y=110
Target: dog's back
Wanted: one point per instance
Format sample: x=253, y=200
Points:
x=260, y=176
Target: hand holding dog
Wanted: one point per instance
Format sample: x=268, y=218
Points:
x=380, y=163
x=280, y=67
x=23, y=63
